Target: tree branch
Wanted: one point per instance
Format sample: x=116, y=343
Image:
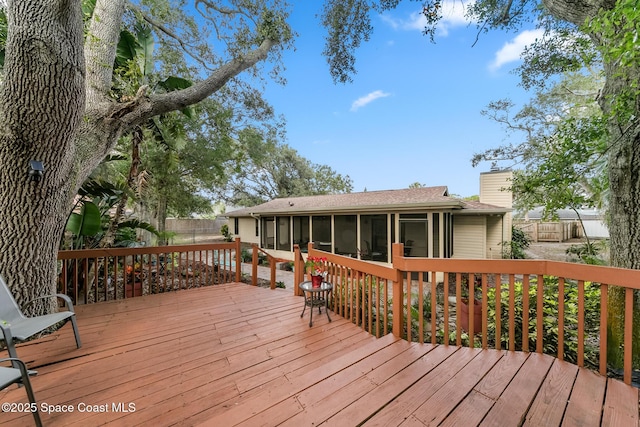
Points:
x=100, y=51
x=576, y=11
x=145, y=107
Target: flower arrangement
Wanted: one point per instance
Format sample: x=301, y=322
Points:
x=315, y=265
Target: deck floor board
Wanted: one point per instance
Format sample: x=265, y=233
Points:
x=238, y=355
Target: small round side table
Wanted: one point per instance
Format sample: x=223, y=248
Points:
x=316, y=297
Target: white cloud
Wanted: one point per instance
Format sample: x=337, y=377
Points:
x=512, y=50
x=453, y=15
x=364, y=100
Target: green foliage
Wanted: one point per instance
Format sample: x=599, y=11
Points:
x=281, y=285
x=348, y=24
x=563, y=151
x=88, y=224
x=263, y=260
x=587, y=253
x=354, y=294
x=514, y=249
x=619, y=27
x=288, y=266
x=549, y=319
x=224, y=230
x=165, y=236
x=417, y=310
x=271, y=170
x=246, y=255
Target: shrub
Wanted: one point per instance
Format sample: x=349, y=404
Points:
x=550, y=319
x=246, y=255
x=587, y=253
x=350, y=295
x=514, y=249
x=224, y=230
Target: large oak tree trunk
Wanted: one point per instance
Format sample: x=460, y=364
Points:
x=42, y=102
x=55, y=108
x=624, y=208
x=624, y=174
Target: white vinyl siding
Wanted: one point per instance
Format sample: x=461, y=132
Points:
x=469, y=236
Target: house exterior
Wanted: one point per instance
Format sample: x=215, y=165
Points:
x=364, y=225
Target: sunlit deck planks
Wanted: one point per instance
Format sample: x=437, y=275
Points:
x=235, y=354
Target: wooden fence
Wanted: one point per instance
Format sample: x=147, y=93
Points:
x=549, y=231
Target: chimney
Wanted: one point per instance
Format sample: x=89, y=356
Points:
x=495, y=187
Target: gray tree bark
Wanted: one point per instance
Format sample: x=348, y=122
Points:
x=624, y=176
x=55, y=108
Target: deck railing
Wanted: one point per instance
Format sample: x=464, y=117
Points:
x=96, y=275
x=271, y=260
x=362, y=290
x=530, y=305
x=543, y=306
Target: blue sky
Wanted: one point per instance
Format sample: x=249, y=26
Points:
x=412, y=113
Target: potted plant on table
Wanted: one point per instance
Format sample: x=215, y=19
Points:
x=315, y=266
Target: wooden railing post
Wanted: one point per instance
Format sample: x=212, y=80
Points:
x=254, y=265
x=398, y=292
x=238, y=261
x=298, y=269
x=272, y=265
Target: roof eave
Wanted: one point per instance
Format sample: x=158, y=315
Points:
x=447, y=204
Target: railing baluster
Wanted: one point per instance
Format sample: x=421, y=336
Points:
x=560, y=318
x=445, y=288
x=498, y=318
x=376, y=307
x=173, y=270
x=65, y=277
x=96, y=274
x=539, y=313
x=409, y=306
x=368, y=281
x=580, y=322
x=485, y=312
x=420, y=309
x=75, y=280
x=604, y=296
x=458, y=308
x=628, y=333
x=525, y=313
x=512, y=313
x=434, y=307
x=472, y=308
x=386, y=306
x=359, y=299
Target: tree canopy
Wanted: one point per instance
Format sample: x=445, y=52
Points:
x=270, y=170
x=60, y=106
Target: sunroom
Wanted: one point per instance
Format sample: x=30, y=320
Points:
x=364, y=225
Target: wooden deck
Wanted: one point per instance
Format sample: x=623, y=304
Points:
x=238, y=355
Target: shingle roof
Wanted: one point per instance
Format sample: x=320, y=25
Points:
x=405, y=199
x=568, y=214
